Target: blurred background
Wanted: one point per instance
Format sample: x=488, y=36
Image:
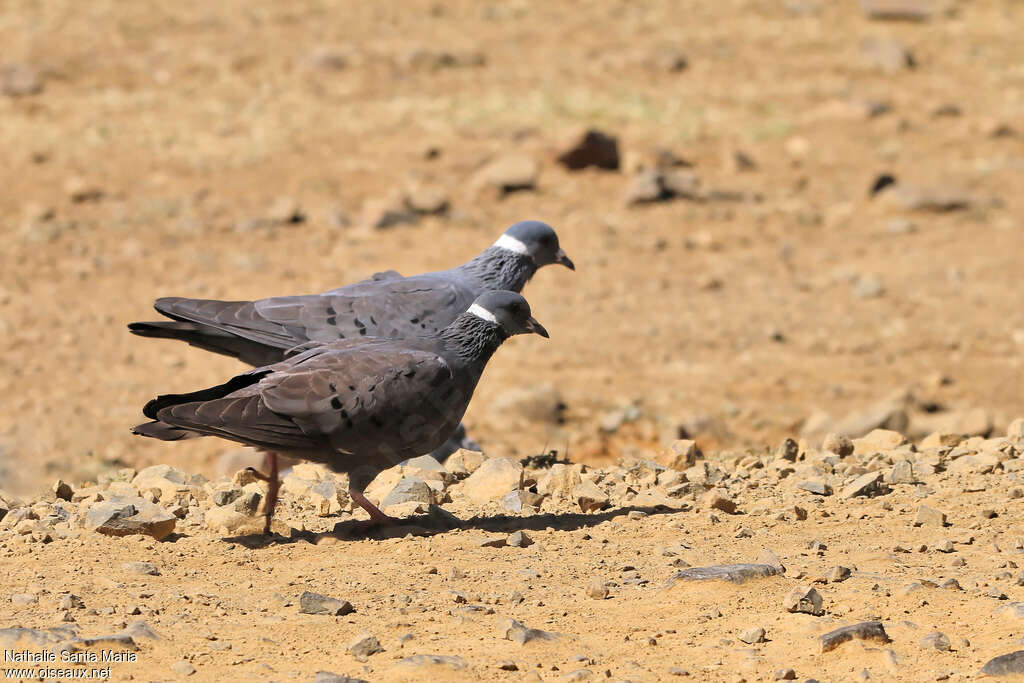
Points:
x=788, y=217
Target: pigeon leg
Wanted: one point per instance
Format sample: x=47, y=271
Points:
x=273, y=486
x=376, y=516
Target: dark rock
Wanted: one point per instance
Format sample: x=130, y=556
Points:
x=897, y=10
x=816, y=487
x=735, y=573
x=655, y=185
x=788, y=450
x=590, y=148
x=226, y=496
x=1005, y=665
x=804, y=599
x=409, y=490
x=128, y=517
x=865, y=630
x=363, y=646
x=314, y=603
x=62, y=490
x=331, y=677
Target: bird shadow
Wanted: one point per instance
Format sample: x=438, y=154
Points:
x=438, y=522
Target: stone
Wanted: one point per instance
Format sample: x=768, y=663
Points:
x=936, y=640
x=941, y=439
x=227, y=520
x=493, y=480
x=714, y=500
x=872, y=631
x=510, y=629
x=590, y=147
x=888, y=54
x=902, y=472
x=897, y=10
x=124, y=518
x=734, y=573
x=62, y=490
x=226, y=496
x=20, y=80
x=26, y=599
x=328, y=497
x=541, y=403
x=519, y=539
x=838, y=574
x=464, y=462
x=520, y=500
x=560, y=480
x=804, y=599
x=788, y=450
x=1015, y=432
x=183, y=668
x=867, y=485
x=331, y=677
x=928, y=516
x=1011, y=664
x=590, y=497
x=426, y=199
x=422, y=664
x=785, y=675
x=493, y=542
x=145, y=568
x=681, y=455
x=868, y=287
x=597, y=589
x=363, y=646
x=314, y=603
x=752, y=636
x=816, y=487
x=878, y=441
x=507, y=174
x=388, y=212
x=409, y=490
x=656, y=185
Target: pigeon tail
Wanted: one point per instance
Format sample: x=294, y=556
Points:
x=163, y=431
x=210, y=339
x=220, y=391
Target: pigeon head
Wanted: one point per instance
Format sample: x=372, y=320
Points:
x=536, y=240
x=507, y=310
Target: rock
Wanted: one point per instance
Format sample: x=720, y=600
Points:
x=868, y=287
x=887, y=54
x=681, y=455
x=519, y=539
x=409, y=490
x=328, y=498
x=422, y=664
x=124, y=518
x=19, y=80
x=363, y=646
x=927, y=516
x=902, y=472
x=560, y=480
x=897, y=10
x=510, y=629
x=493, y=480
x=1005, y=665
x=26, y=599
x=387, y=212
x=788, y=450
x=506, y=174
x=1015, y=432
x=935, y=199
x=226, y=496
x=183, y=668
x=838, y=574
x=752, y=636
x=590, y=497
x=734, y=573
x=145, y=568
x=654, y=185
x=866, y=630
x=168, y=480
x=868, y=485
x=816, y=487
x=227, y=520
x=62, y=490
x=941, y=440
x=314, y=603
x=714, y=500
x=520, y=499
x=464, y=462
x=936, y=640
x=426, y=199
x=493, y=542
x=590, y=148
x=804, y=599
x=331, y=677
x=597, y=589
x=838, y=444
x=878, y=441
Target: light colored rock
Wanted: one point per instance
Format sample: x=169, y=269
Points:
x=506, y=174
x=589, y=496
x=928, y=516
x=878, y=441
x=492, y=480
x=941, y=440
x=130, y=516
x=804, y=599
x=227, y=520
x=464, y=462
x=560, y=480
x=681, y=455
x=867, y=485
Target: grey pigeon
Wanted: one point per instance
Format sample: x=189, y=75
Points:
x=386, y=305
x=357, y=405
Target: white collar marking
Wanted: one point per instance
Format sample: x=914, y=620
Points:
x=512, y=244
x=482, y=313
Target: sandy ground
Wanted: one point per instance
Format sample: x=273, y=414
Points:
x=155, y=151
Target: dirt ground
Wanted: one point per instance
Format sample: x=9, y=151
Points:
x=158, y=149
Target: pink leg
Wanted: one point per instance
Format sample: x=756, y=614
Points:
x=273, y=486
x=376, y=516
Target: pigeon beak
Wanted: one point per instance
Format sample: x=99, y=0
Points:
x=563, y=258
x=536, y=328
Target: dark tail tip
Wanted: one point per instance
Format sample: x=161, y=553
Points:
x=162, y=431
